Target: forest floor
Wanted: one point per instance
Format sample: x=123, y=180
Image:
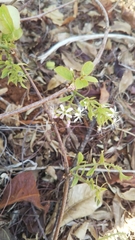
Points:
x=39, y=145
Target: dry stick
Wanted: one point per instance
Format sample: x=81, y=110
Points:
x=114, y=6
x=66, y=183
x=63, y=150
x=43, y=14
x=25, y=5
x=81, y=38
x=87, y=137
x=37, y=103
x=98, y=57
x=26, y=169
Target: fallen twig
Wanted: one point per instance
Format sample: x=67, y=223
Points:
x=87, y=136
x=82, y=38
x=36, y=104
x=101, y=50
x=63, y=151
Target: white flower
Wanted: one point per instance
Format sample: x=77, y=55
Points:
x=78, y=114
x=64, y=111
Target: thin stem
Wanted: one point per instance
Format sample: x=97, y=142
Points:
x=87, y=137
x=30, y=79
x=98, y=57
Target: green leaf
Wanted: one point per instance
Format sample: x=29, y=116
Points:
x=91, y=113
x=124, y=177
x=50, y=65
x=14, y=14
x=65, y=99
x=2, y=64
x=87, y=68
x=80, y=158
x=4, y=73
x=10, y=23
x=64, y=72
x=6, y=23
x=91, y=171
x=17, y=34
x=103, y=115
x=80, y=83
x=91, y=79
x=102, y=159
x=75, y=181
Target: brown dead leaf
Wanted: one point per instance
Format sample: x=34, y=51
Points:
x=13, y=120
x=75, y=8
x=87, y=48
x=56, y=16
x=71, y=61
x=113, y=178
x=104, y=94
x=128, y=16
x=81, y=203
x=60, y=36
x=2, y=147
x=70, y=234
x=108, y=45
x=112, y=159
x=80, y=232
x=126, y=81
x=128, y=195
x=107, y=5
x=102, y=214
x=55, y=81
x=121, y=26
x=34, y=136
x=117, y=210
x=21, y=188
x=51, y=171
x=71, y=18
x=68, y=20
x=125, y=56
x=93, y=231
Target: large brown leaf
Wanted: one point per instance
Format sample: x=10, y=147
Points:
x=21, y=188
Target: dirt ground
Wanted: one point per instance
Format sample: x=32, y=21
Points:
x=39, y=147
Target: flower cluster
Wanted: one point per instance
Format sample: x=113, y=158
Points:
x=70, y=112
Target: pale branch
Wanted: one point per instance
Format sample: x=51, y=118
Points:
x=102, y=48
x=82, y=38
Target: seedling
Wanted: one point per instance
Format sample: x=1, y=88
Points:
x=10, y=32
x=80, y=174
x=99, y=111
